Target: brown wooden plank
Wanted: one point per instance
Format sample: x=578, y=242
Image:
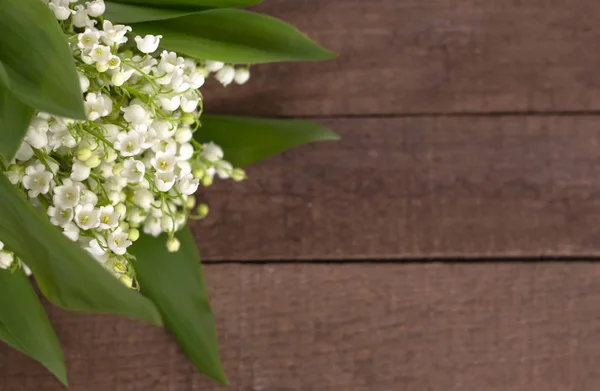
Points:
x=418, y=187
x=435, y=56
x=533, y=327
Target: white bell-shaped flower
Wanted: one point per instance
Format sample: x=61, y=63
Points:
x=148, y=44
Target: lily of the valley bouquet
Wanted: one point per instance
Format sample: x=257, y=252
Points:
x=103, y=147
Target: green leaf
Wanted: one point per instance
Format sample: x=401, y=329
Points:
x=24, y=324
x=131, y=13
x=66, y=274
x=234, y=36
x=174, y=282
x=247, y=140
x=36, y=63
x=190, y=4
x=15, y=117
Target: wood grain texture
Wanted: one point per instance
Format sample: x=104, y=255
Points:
x=435, y=56
x=417, y=188
x=493, y=327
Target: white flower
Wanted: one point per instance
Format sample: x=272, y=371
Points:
x=111, y=132
x=97, y=105
x=223, y=169
x=225, y=75
x=167, y=224
x=168, y=146
x=97, y=247
x=114, y=34
x=211, y=152
x=163, y=129
x=184, y=168
x=37, y=180
x=6, y=259
x=133, y=170
x=164, y=181
x=71, y=231
x=143, y=198
x=88, y=197
x=170, y=103
x=88, y=39
x=37, y=133
x=242, y=75
x=213, y=66
x=164, y=162
x=188, y=185
x=103, y=58
x=195, y=80
x=66, y=195
x=80, y=171
x=114, y=62
x=189, y=102
x=179, y=82
x=109, y=218
x=121, y=77
x=129, y=143
x=87, y=217
x=152, y=226
x=137, y=115
x=80, y=18
x=136, y=216
x=60, y=216
x=169, y=61
x=148, y=44
x=25, y=152
x=183, y=134
x=186, y=151
x=118, y=242
x=60, y=12
x=84, y=82
x=96, y=8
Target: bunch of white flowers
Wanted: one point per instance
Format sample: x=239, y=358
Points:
x=133, y=165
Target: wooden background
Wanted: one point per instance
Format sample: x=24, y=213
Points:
x=393, y=260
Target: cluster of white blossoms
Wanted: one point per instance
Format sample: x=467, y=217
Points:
x=133, y=165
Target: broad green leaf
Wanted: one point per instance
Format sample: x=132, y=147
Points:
x=234, y=36
x=66, y=274
x=190, y=4
x=24, y=324
x=131, y=13
x=174, y=282
x=247, y=140
x=37, y=63
x=15, y=117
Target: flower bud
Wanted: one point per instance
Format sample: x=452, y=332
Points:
x=202, y=210
x=124, y=226
x=133, y=234
x=84, y=154
x=121, y=209
x=198, y=173
x=188, y=118
x=173, y=245
x=190, y=202
x=126, y=280
x=242, y=75
x=238, y=174
x=117, y=169
x=207, y=181
x=93, y=161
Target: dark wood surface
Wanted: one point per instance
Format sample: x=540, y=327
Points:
x=470, y=131
x=370, y=327
x=431, y=56
x=393, y=188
